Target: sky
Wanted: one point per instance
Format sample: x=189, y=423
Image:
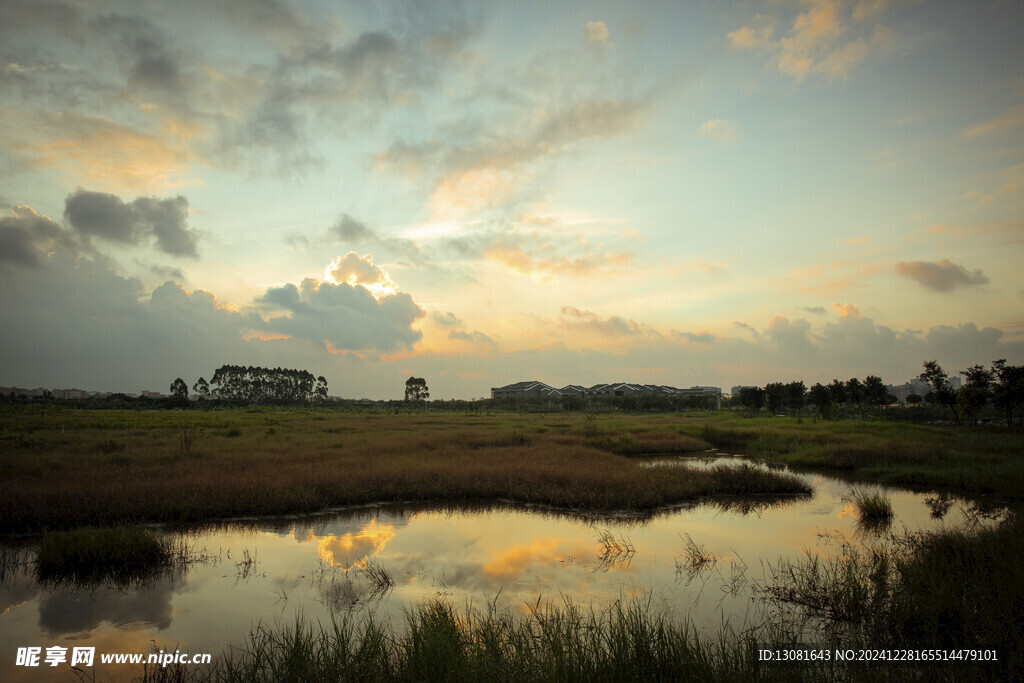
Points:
x=681, y=193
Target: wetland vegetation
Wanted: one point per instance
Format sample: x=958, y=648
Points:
x=74, y=467
x=948, y=588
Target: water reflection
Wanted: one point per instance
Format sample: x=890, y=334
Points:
x=142, y=607
x=698, y=560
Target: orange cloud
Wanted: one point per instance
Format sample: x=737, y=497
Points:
x=847, y=311
x=353, y=549
x=108, y=156
x=510, y=563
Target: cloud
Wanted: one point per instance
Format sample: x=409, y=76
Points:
x=348, y=229
x=940, y=276
x=445, y=319
x=98, y=214
x=101, y=152
x=475, y=337
x=756, y=36
x=153, y=68
x=26, y=236
x=816, y=310
x=826, y=39
x=354, y=269
x=748, y=329
x=167, y=272
x=722, y=130
x=792, y=337
x=1009, y=118
x=548, y=264
x=700, y=337
x=613, y=326
x=483, y=168
x=597, y=33
x=342, y=316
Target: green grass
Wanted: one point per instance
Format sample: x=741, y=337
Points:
x=975, y=461
x=89, y=555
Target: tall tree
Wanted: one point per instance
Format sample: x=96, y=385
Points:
x=974, y=394
x=875, y=392
x=775, y=395
x=179, y=389
x=201, y=387
x=416, y=390
x=821, y=398
x=752, y=398
x=320, y=393
x=1008, y=389
x=942, y=393
x=796, y=396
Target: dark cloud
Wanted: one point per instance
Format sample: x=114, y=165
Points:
x=342, y=316
x=98, y=214
x=348, y=229
x=153, y=67
x=26, y=235
x=940, y=276
x=815, y=310
x=168, y=272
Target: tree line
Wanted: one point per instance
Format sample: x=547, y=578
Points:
x=251, y=384
x=1002, y=386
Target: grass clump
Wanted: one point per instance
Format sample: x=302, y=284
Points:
x=870, y=504
x=119, y=553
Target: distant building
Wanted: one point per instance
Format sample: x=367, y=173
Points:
x=536, y=389
x=523, y=390
x=152, y=394
x=70, y=393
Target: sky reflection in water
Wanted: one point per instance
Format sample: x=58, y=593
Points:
x=272, y=570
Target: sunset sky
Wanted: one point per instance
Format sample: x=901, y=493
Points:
x=479, y=193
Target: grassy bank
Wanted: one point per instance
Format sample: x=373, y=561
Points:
x=963, y=460
x=949, y=590
x=74, y=467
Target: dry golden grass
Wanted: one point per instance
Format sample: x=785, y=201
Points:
x=75, y=467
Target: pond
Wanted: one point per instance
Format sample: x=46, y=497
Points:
x=383, y=560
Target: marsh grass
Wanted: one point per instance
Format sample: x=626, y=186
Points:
x=694, y=559
x=121, y=554
x=950, y=588
x=623, y=642
x=615, y=552
x=985, y=460
x=870, y=504
x=66, y=481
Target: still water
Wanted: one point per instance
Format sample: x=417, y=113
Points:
x=272, y=570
